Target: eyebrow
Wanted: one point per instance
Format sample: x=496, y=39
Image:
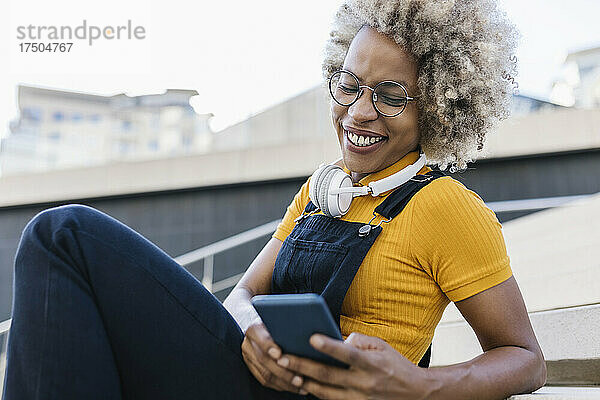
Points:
x=403, y=83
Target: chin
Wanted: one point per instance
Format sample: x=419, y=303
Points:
x=358, y=167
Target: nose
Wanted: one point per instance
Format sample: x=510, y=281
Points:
x=363, y=109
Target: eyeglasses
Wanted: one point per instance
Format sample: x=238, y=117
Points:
x=389, y=98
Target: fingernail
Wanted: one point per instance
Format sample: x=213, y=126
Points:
x=283, y=361
x=317, y=341
x=297, y=381
x=274, y=353
x=303, y=392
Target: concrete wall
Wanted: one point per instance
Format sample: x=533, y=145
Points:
x=257, y=164
x=546, y=131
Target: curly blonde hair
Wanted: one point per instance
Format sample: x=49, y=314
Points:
x=464, y=51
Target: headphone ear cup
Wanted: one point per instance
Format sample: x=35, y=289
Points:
x=324, y=188
x=315, y=186
x=312, y=186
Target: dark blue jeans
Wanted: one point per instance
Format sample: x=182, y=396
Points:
x=99, y=312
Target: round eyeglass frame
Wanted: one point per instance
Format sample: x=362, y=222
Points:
x=373, y=95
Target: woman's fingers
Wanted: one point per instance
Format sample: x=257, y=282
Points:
x=268, y=379
x=328, y=392
x=271, y=366
x=340, y=351
x=259, y=335
x=264, y=367
x=318, y=371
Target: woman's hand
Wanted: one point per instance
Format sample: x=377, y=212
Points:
x=377, y=371
x=261, y=354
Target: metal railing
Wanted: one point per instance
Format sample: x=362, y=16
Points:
x=4, y=327
x=208, y=252
x=540, y=203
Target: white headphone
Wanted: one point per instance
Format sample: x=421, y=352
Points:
x=331, y=190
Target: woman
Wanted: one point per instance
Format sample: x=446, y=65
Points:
x=99, y=312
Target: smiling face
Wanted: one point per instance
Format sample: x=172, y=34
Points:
x=373, y=57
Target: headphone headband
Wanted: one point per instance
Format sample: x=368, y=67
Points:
x=397, y=179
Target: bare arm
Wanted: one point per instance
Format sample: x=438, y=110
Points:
x=512, y=361
x=256, y=280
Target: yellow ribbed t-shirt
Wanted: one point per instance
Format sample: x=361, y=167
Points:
x=446, y=245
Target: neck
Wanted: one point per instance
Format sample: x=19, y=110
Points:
x=356, y=176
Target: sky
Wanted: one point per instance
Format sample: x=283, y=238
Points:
x=241, y=56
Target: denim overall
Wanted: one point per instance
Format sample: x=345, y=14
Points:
x=322, y=254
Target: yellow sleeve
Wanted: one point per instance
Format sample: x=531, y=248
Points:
x=457, y=239
x=294, y=210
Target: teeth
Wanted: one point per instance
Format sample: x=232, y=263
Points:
x=362, y=141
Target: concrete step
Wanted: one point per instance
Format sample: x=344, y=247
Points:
x=568, y=338
x=561, y=393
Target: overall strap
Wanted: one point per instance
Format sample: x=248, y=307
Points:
x=309, y=207
x=399, y=198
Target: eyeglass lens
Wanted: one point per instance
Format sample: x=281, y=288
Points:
x=389, y=98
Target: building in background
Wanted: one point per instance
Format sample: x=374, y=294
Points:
x=523, y=105
x=61, y=129
x=580, y=84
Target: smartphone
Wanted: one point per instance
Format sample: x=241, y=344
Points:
x=292, y=319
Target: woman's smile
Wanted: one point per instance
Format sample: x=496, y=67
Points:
x=362, y=142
